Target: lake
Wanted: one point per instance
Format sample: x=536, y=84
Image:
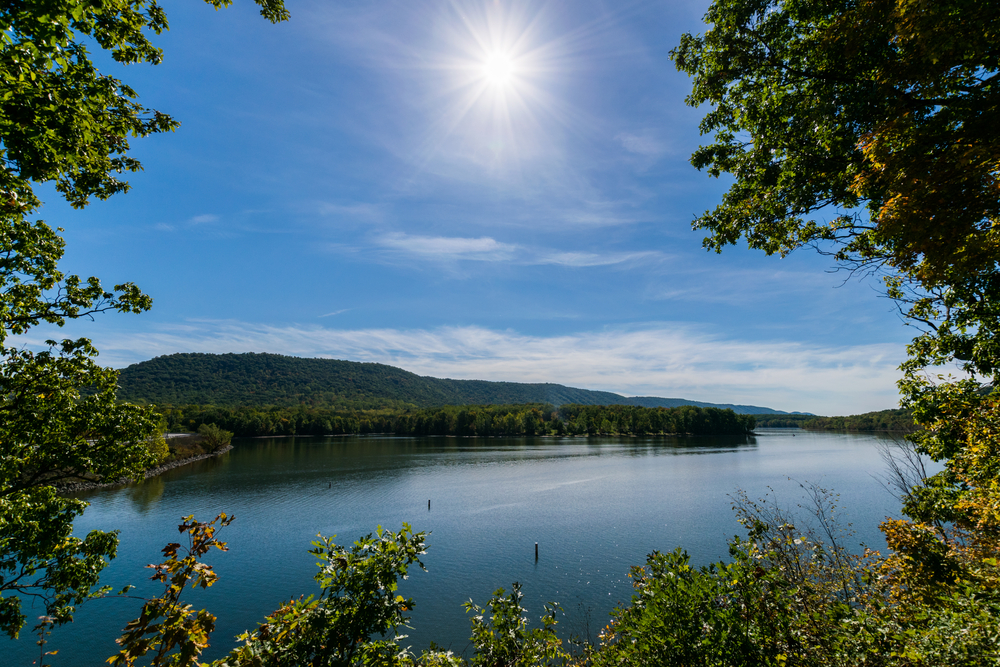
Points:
x=595, y=506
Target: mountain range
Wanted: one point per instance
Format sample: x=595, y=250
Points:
x=259, y=379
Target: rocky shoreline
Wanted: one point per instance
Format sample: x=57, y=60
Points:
x=73, y=487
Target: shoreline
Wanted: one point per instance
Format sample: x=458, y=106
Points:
x=73, y=487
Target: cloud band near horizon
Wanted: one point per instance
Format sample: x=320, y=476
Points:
x=666, y=360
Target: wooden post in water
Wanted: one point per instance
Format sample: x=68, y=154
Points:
x=428, y=504
x=536, y=550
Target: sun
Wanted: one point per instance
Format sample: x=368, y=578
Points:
x=499, y=69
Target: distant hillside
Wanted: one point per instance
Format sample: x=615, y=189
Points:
x=655, y=402
x=793, y=420
x=892, y=421
x=254, y=379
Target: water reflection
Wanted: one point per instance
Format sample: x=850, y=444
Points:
x=595, y=505
x=146, y=493
x=390, y=451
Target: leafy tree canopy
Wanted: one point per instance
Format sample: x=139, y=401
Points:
x=870, y=123
x=867, y=128
x=64, y=122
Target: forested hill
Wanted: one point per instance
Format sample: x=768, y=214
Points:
x=254, y=379
x=656, y=402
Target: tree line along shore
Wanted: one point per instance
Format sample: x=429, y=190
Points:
x=887, y=421
x=513, y=420
x=467, y=420
x=209, y=428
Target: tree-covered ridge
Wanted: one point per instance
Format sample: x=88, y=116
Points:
x=256, y=379
x=894, y=421
x=783, y=421
x=471, y=420
x=273, y=379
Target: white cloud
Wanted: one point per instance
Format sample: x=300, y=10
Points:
x=483, y=249
x=204, y=218
x=486, y=249
x=666, y=360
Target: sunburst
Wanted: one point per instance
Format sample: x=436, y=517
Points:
x=495, y=64
x=499, y=69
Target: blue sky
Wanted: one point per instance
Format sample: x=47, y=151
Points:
x=473, y=189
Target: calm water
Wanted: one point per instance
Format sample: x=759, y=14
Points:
x=595, y=506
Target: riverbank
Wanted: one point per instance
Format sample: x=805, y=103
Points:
x=74, y=487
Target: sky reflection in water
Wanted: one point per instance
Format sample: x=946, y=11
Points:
x=595, y=506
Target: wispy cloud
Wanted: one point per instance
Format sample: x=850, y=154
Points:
x=594, y=259
x=336, y=312
x=448, y=248
x=608, y=217
x=665, y=360
x=194, y=221
x=486, y=249
x=644, y=145
x=738, y=286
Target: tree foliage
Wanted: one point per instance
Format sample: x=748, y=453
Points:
x=502, y=636
x=879, y=112
x=60, y=422
x=61, y=120
x=357, y=617
x=65, y=123
x=793, y=594
x=893, y=421
x=865, y=128
x=356, y=620
x=466, y=420
x=215, y=437
x=172, y=631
